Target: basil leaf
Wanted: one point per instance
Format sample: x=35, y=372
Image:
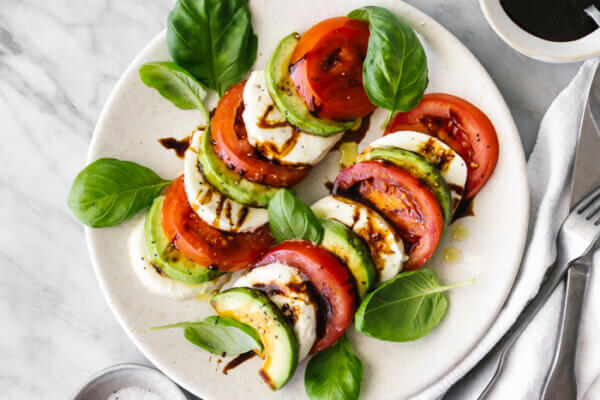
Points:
x=213, y=39
x=290, y=218
x=405, y=308
x=395, y=69
x=109, y=191
x=175, y=84
x=218, y=335
x=334, y=373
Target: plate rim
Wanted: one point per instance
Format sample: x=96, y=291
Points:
x=523, y=192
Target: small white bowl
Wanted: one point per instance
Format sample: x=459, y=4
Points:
x=103, y=383
x=534, y=47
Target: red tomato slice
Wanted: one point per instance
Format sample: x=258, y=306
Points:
x=461, y=126
x=231, y=144
x=330, y=278
x=203, y=244
x=327, y=69
x=404, y=200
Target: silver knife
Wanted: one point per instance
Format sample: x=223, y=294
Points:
x=560, y=383
x=489, y=368
x=586, y=173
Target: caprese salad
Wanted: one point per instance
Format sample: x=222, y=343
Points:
x=309, y=272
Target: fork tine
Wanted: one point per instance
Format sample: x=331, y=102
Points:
x=587, y=200
x=591, y=209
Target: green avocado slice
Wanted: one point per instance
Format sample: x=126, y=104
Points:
x=350, y=248
x=420, y=168
x=251, y=307
x=168, y=259
x=286, y=98
x=227, y=181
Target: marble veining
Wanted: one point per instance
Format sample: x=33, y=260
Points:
x=59, y=61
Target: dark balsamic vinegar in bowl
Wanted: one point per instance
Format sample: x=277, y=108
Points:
x=555, y=20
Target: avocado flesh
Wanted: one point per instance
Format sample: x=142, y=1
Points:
x=287, y=100
x=418, y=167
x=165, y=257
x=252, y=307
x=349, y=247
x=229, y=182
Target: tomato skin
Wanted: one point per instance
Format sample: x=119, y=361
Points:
x=203, y=244
x=460, y=125
x=230, y=141
x=327, y=69
x=316, y=33
x=329, y=276
x=406, y=202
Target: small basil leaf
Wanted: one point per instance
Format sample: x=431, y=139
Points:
x=220, y=335
x=334, y=373
x=109, y=191
x=395, y=68
x=290, y=218
x=175, y=84
x=213, y=39
x=405, y=308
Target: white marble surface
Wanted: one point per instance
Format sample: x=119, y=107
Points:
x=59, y=60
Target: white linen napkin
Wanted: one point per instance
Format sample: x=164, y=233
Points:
x=549, y=173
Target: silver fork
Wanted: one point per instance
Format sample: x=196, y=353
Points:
x=576, y=237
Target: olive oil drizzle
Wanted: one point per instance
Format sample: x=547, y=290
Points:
x=452, y=255
x=459, y=233
x=348, y=154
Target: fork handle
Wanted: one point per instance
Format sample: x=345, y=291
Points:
x=489, y=369
x=560, y=382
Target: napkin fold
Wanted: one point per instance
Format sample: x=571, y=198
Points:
x=549, y=172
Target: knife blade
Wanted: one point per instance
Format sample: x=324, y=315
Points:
x=586, y=170
x=594, y=100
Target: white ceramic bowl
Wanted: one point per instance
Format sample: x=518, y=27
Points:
x=107, y=381
x=534, y=47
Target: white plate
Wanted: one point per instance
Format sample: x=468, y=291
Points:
x=136, y=116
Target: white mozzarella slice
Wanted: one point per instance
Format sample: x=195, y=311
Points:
x=159, y=283
x=289, y=297
x=272, y=135
x=452, y=167
x=213, y=207
x=387, y=248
